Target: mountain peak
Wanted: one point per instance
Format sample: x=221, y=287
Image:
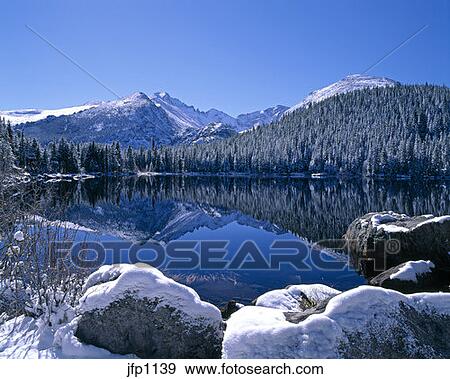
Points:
x=349, y=83
x=162, y=94
x=364, y=77
x=136, y=96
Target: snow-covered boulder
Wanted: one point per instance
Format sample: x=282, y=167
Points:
x=135, y=309
x=297, y=297
x=413, y=276
x=366, y=322
x=388, y=239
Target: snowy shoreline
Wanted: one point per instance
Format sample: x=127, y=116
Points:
x=301, y=321
x=58, y=177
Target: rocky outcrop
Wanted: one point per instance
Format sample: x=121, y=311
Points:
x=365, y=322
x=379, y=241
x=415, y=276
x=137, y=310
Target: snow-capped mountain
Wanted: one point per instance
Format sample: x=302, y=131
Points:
x=348, y=84
x=137, y=120
x=133, y=120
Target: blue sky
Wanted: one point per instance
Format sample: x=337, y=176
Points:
x=235, y=55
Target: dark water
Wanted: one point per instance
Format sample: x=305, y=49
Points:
x=236, y=210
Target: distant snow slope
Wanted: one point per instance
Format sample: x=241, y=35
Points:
x=133, y=120
x=31, y=115
x=348, y=84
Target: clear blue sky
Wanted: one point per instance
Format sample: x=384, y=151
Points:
x=235, y=55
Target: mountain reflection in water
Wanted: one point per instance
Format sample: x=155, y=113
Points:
x=168, y=208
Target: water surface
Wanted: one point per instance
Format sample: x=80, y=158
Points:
x=262, y=210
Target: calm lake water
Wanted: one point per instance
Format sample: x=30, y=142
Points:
x=165, y=208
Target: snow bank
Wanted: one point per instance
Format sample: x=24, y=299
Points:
x=70, y=346
x=412, y=270
x=260, y=332
x=26, y=337
x=112, y=282
x=290, y=299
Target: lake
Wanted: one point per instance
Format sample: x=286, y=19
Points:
x=249, y=214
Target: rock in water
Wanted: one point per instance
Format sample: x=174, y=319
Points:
x=365, y=322
x=129, y=309
x=378, y=241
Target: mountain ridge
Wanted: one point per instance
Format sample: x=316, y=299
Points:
x=139, y=119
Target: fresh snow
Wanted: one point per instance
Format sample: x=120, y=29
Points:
x=412, y=270
x=439, y=220
x=260, y=332
x=393, y=229
x=382, y=220
x=379, y=222
x=348, y=84
x=111, y=282
x=289, y=299
x=31, y=115
x=26, y=337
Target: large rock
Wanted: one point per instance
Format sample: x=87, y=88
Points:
x=366, y=322
x=414, y=276
x=128, y=309
x=378, y=241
